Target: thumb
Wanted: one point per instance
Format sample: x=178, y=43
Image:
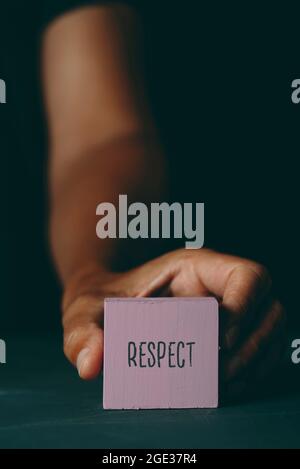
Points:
x=83, y=339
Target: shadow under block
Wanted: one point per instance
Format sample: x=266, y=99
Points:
x=160, y=353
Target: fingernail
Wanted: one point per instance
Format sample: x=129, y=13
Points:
x=231, y=336
x=82, y=359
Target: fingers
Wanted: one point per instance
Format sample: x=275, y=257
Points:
x=245, y=287
x=83, y=337
x=271, y=328
x=251, y=379
x=240, y=284
x=83, y=346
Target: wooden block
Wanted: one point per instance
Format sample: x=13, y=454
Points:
x=160, y=353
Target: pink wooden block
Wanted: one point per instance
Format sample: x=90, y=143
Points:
x=160, y=353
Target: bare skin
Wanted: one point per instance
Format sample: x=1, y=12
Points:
x=103, y=143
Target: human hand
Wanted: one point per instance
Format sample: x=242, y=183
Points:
x=252, y=321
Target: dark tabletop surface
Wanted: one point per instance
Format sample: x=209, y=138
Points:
x=44, y=404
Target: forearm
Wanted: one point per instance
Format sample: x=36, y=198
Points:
x=98, y=174
x=102, y=135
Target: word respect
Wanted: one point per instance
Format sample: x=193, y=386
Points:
x=155, y=354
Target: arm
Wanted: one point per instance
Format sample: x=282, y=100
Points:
x=102, y=140
x=103, y=143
